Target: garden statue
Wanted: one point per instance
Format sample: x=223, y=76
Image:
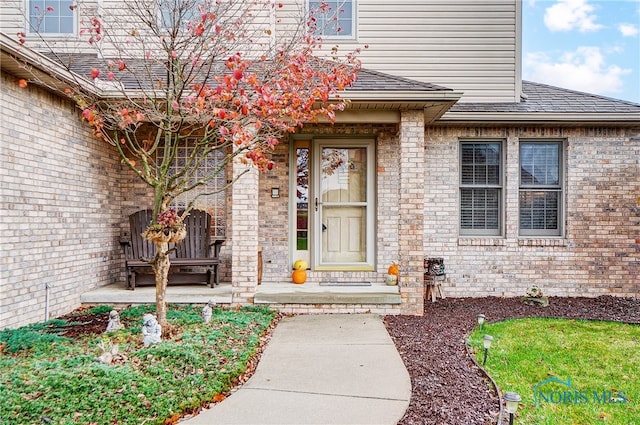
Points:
x=534, y=291
x=109, y=352
x=114, y=321
x=534, y=296
x=151, y=330
x=207, y=311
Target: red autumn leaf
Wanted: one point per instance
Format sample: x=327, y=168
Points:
x=218, y=398
x=95, y=73
x=23, y=83
x=172, y=420
x=121, y=65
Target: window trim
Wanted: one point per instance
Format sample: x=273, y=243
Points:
x=29, y=30
x=560, y=188
x=354, y=23
x=489, y=233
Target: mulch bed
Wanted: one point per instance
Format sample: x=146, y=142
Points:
x=447, y=386
x=81, y=322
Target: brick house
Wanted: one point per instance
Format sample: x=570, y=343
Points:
x=446, y=153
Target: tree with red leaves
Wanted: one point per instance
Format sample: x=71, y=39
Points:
x=228, y=74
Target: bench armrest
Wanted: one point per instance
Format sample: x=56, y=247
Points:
x=215, y=246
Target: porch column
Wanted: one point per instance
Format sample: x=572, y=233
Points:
x=411, y=211
x=244, y=234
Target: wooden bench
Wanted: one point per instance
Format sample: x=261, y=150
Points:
x=193, y=260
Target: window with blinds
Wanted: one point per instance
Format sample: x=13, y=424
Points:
x=481, y=171
x=541, y=188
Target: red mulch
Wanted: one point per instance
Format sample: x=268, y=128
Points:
x=447, y=387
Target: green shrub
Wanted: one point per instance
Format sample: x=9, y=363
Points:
x=17, y=340
x=143, y=384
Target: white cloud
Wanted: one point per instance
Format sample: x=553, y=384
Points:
x=584, y=70
x=567, y=15
x=628, y=30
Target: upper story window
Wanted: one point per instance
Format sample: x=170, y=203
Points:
x=172, y=13
x=52, y=17
x=541, y=188
x=334, y=18
x=481, y=188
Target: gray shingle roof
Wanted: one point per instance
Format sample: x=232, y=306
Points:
x=549, y=99
x=370, y=80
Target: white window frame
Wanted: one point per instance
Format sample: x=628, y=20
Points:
x=354, y=8
x=499, y=187
x=558, y=188
x=29, y=8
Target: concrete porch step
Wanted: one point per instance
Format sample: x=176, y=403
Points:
x=178, y=294
x=312, y=293
x=270, y=293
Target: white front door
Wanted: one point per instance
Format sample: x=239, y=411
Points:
x=342, y=209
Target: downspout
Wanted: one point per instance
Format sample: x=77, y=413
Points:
x=47, y=287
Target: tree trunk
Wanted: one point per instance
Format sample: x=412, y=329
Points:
x=161, y=266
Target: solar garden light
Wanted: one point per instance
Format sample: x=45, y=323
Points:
x=481, y=318
x=512, y=400
x=486, y=342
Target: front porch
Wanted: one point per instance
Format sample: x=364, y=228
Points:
x=283, y=296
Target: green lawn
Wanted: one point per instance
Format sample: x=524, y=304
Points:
x=568, y=372
x=48, y=378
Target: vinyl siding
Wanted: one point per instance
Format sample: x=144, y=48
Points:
x=13, y=20
x=466, y=45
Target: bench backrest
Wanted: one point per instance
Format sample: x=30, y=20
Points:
x=198, y=240
x=195, y=245
x=141, y=247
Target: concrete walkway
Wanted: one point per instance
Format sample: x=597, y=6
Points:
x=321, y=369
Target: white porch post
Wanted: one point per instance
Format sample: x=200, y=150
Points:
x=244, y=234
x=411, y=210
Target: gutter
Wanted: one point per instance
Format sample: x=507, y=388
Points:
x=400, y=96
x=540, y=117
x=29, y=63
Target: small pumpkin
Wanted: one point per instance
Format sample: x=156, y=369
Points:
x=300, y=265
x=393, y=269
x=299, y=276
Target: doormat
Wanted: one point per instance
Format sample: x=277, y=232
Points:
x=345, y=283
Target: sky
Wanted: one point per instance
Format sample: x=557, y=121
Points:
x=591, y=46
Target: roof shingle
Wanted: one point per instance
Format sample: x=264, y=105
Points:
x=548, y=99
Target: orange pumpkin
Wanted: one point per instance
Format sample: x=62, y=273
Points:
x=393, y=269
x=299, y=276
